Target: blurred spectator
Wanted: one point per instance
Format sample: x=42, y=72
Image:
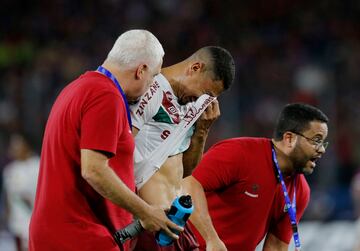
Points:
x=310, y=83
x=20, y=178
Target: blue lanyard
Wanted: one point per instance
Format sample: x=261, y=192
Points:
x=108, y=74
x=291, y=207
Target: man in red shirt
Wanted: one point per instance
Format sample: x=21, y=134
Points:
x=86, y=180
x=243, y=188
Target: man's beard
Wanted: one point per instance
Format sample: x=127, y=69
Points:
x=298, y=160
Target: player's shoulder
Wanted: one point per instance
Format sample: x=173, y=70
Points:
x=156, y=88
x=153, y=97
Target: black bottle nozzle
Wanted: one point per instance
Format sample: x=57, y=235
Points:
x=185, y=201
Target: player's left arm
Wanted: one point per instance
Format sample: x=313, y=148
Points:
x=201, y=217
x=272, y=243
x=192, y=156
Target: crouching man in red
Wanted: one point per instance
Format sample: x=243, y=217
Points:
x=247, y=188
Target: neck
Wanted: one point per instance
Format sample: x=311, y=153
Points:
x=285, y=164
x=122, y=76
x=175, y=75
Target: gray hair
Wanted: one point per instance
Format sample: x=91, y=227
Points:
x=135, y=47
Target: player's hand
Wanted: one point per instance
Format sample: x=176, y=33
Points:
x=215, y=245
x=211, y=113
x=156, y=220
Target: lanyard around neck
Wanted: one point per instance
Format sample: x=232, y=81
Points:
x=291, y=207
x=108, y=74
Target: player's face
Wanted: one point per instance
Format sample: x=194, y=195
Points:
x=196, y=85
x=142, y=84
x=309, y=147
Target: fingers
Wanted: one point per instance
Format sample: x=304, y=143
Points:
x=212, y=111
x=158, y=220
x=146, y=226
x=170, y=233
x=168, y=228
x=172, y=225
x=215, y=107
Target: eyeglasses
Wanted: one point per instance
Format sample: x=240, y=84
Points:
x=318, y=143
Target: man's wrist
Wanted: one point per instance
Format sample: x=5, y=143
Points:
x=211, y=237
x=143, y=210
x=201, y=132
x=209, y=234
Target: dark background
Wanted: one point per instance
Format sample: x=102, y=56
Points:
x=285, y=51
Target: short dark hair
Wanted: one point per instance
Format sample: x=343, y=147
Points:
x=223, y=65
x=296, y=118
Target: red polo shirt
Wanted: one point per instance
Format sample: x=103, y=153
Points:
x=244, y=198
x=69, y=214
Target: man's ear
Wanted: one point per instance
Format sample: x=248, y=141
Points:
x=289, y=139
x=196, y=67
x=140, y=71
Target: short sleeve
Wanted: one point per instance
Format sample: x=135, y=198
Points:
x=148, y=105
x=281, y=228
x=219, y=167
x=101, y=122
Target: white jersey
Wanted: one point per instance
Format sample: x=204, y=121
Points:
x=155, y=115
x=20, y=179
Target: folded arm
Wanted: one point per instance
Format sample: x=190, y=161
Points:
x=193, y=155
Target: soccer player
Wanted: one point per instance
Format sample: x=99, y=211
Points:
x=86, y=182
x=160, y=120
x=255, y=187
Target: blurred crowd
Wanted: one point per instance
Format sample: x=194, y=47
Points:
x=285, y=51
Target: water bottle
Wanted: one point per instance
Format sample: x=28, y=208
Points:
x=179, y=213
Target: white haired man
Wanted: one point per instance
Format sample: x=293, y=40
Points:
x=86, y=180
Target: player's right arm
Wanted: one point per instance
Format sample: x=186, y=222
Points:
x=96, y=171
x=200, y=218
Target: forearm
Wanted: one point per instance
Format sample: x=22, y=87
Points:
x=272, y=243
x=105, y=181
x=96, y=171
x=109, y=185
x=192, y=156
x=200, y=218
